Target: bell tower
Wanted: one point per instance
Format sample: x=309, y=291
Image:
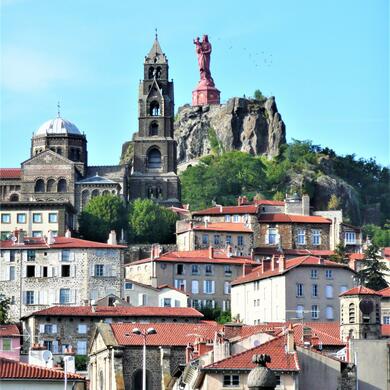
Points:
x=154, y=165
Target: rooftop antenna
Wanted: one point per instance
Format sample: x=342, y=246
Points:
x=58, y=110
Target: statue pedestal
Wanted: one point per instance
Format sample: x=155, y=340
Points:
x=205, y=94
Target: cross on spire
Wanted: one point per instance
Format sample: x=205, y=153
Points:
x=58, y=110
x=155, y=33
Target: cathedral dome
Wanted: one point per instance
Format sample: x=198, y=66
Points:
x=57, y=126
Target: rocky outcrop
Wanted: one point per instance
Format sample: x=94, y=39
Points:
x=247, y=125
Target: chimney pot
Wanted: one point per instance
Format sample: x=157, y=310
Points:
x=68, y=233
x=211, y=252
x=112, y=238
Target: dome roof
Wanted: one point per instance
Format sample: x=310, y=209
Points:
x=57, y=126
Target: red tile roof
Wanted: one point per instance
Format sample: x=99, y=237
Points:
x=385, y=292
x=9, y=330
x=385, y=330
x=10, y=173
x=12, y=369
x=59, y=243
x=386, y=253
x=298, y=252
x=292, y=218
x=302, y=261
x=328, y=333
x=360, y=290
x=266, y=202
x=119, y=311
x=198, y=256
x=245, y=209
x=225, y=227
x=280, y=360
x=356, y=256
x=172, y=334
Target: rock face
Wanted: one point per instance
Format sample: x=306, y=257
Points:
x=247, y=125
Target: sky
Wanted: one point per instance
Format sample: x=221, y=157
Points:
x=326, y=62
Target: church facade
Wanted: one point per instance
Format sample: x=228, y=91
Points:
x=53, y=186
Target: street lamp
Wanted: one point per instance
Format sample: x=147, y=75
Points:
x=144, y=334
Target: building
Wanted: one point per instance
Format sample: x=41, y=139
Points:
x=200, y=235
x=385, y=306
x=140, y=294
x=10, y=342
x=280, y=290
x=59, y=328
x=16, y=375
x=204, y=274
x=36, y=273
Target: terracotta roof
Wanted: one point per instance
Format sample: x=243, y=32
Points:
x=119, y=311
x=198, y=256
x=385, y=330
x=386, y=252
x=328, y=333
x=292, y=218
x=266, y=202
x=302, y=261
x=360, y=290
x=9, y=330
x=280, y=360
x=385, y=292
x=12, y=369
x=299, y=252
x=356, y=256
x=173, y=334
x=245, y=209
x=59, y=243
x=10, y=173
x=225, y=227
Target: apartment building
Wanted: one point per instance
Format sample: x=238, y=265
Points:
x=36, y=273
x=204, y=274
x=304, y=288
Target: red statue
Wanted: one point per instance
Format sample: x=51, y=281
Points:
x=205, y=92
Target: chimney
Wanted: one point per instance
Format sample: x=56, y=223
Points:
x=305, y=204
x=239, y=201
x=112, y=238
x=282, y=263
x=68, y=233
x=50, y=238
x=273, y=263
x=320, y=260
x=229, y=251
x=290, y=347
x=189, y=351
x=315, y=341
x=220, y=208
x=211, y=252
x=206, y=223
x=266, y=264
x=93, y=305
x=232, y=329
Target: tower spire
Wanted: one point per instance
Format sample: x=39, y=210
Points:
x=155, y=34
x=58, y=110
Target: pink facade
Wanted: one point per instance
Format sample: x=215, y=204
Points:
x=9, y=342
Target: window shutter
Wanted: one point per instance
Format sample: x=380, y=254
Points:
x=7, y=273
x=55, y=346
x=204, y=286
x=266, y=238
x=41, y=328
x=49, y=272
x=140, y=299
x=24, y=298
x=107, y=270
x=113, y=270
x=6, y=255
x=24, y=255
x=57, y=297
x=71, y=256
x=54, y=328
x=41, y=296
x=24, y=271
x=92, y=270
x=213, y=286
x=72, y=270
x=37, y=271
x=59, y=256
x=52, y=297
x=58, y=271
x=73, y=296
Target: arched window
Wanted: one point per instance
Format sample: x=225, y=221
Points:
x=51, y=185
x=39, y=186
x=14, y=198
x=158, y=72
x=351, y=312
x=95, y=193
x=113, y=192
x=154, y=108
x=154, y=159
x=59, y=150
x=106, y=192
x=61, y=186
x=151, y=72
x=153, y=129
x=84, y=198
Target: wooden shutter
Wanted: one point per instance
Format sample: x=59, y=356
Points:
x=54, y=328
x=41, y=328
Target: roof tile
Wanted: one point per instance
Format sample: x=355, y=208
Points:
x=10, y=173
x=9, y=330
x=360, y=290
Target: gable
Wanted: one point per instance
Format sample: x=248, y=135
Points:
x=49, y=158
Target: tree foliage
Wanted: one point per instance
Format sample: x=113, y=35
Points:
x=4, y=308
x=101, y=215
x=216, y=314
x=379, y=236
x=258, y=95
x=151, y=223
x=340, y=254
x=334, y=203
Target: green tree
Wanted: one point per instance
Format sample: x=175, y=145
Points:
x=101, y=215
x=4, y=308
x=334, y=203
x=340, y=254
x=379, y=236
x=372, y=274
x=216, y=314
x=259, y=96
x=151, y=223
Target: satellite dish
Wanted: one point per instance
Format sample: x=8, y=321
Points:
x=47, y=355
x=256, y=343
x=366, y=306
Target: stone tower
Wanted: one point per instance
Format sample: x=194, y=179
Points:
x=360, y=309
x=154, y=166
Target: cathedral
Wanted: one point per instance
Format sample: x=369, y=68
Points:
x=53, y=186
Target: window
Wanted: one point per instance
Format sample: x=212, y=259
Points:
x=329, y=291
x=49, y=328
x=39, y=186
x=5, y=218
x=82, y=328
x=30, y=271
x=272, y=234
x=37, y=233
x=29, y=297
x=299, y=311
x=12, y=272
x=209, y=303
x=64, y=296
x=153, y=129
x=65, y=255
x=316, y=237
x=65, y=271
x=12, y=256
x=231, y=380
x=6, y=344
x=228, y=270
x=314, y=274
x=44, y=272
x=180, y=269
x=167, y=302
x=21, y=218
x=209, y=269
x=209, y=286
x=195, y=287
x=196, y=303
x=329, y=274
x=128, y=286
x=314, y=290
x=205, y=239
x=154, y=109
x=37, y=217
x=216, y=239
x=154, y=159
x=329, y=313
x=4, y=235
x=50, y=185
x=350, y=238
x=240, y=240
x=314, y=312
x=236, y=218
x=301, y=238
x=299, y=290
x=30, y=255
x=52, y=217
x=81, y=347
x=386, y=320
x=180, y=284
x=228, y=218
x=351, y=313
x=229, y=239
x=226, y=288
x=343, y=289
x=195, y=269
x=99, y=270
x=61, y=186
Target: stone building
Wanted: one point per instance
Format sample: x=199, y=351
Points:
x=38, y=273
x=304, y=288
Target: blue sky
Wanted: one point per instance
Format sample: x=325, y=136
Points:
x=326, y=62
